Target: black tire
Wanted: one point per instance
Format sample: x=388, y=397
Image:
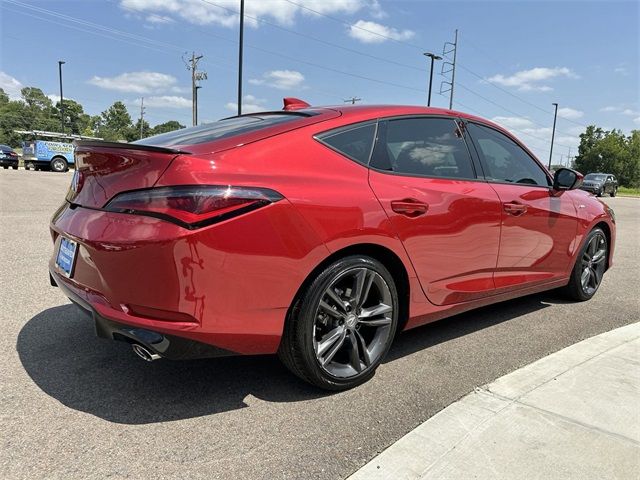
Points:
x=15, y=168
x=576, y=289
x=59, y=164
x=613, y=192
x=5, y=166
x=303, y=333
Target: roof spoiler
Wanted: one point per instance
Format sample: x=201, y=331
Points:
x=292, y=103
x=126, y=146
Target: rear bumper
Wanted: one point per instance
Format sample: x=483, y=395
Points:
x=8, y=162
x=167, y=346
x=229, y=285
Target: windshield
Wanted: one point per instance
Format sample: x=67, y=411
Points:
x=595, y=176
x=227, y=127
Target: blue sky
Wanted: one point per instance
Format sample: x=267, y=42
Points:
x=514, y=59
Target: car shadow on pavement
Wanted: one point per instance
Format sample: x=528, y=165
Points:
x=62, y=355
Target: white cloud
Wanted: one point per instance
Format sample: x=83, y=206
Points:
x=623, y=110
x=136, y=82
x=10, y=85
x=527, y=80
x=250, y=104
x=636, y=120
x=377, y=10
x=281, y=79
x=158, y=19
x=513, y=122
x=166, y=101
x=372, y=32
x=621, y=69
x=570, y=113
x=224, y=12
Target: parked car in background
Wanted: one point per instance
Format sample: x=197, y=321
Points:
x=600, y=184
x=47, y=155
x=8, y=157
x=317, y=233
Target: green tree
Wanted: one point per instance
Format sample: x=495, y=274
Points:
x=75, y=120
x=610, y=152
x=146, y=129
x=166, y=127
x=115, y=123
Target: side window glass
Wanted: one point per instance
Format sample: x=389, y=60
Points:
x=354, y=143
x=432, y=147
x=504, y=160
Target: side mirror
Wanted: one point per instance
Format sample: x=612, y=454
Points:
x=566, y=179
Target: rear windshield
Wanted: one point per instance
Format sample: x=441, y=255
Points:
x=595, y=176
x=227, y=127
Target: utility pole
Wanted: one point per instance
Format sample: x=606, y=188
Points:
x=196, y=76
x=198, y=87
x=141, y=118
x=60, y=63
x=352, y=100
x=449, y=67
x=553, y=132
x=240, y=49
x=569, y=158
x=433, y=57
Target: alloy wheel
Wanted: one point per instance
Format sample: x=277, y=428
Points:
x=353, y=322
x=593, y=263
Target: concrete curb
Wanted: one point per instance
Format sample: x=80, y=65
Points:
x=572, y=414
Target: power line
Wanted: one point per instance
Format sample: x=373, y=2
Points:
x=357, y=27
x=316, y=39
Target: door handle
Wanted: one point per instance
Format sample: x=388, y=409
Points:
x=409, y=207
x=514, y=208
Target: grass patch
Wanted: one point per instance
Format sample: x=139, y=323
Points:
x=631, y=192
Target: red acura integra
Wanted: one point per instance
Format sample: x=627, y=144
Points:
x=317, y=233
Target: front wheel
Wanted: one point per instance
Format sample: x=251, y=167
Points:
x=590, y=267
x=15, y=167
x=342, y=326
x=59, y=165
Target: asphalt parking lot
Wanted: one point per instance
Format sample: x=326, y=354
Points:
x=74, y=406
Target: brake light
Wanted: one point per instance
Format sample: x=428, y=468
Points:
x=193, y=206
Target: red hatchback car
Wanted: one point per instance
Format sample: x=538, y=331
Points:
x=317, y=233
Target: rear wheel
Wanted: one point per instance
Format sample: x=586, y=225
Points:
x=590, y=267
x=341, y=328
x=59, y=164
x=614, y=191
x=15, y=167
x=5, y=166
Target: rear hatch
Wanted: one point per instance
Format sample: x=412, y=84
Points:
x=104, y=169
x=108, y=168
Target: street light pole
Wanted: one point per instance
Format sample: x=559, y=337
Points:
x=433, y=57
x=553, y=132
x=60, y=63
x=240, y=48
x=195, y=113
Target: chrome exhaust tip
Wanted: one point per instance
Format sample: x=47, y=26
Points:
x=144, y=353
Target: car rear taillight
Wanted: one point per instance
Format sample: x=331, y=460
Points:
x=193, y=206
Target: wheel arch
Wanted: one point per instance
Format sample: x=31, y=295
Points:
x=604, y=226
x=384, y=255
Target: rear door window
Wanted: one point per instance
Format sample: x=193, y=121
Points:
x=431, y=147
